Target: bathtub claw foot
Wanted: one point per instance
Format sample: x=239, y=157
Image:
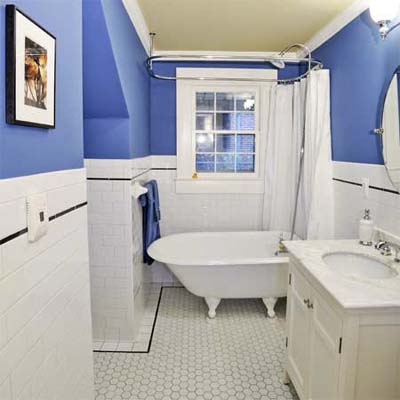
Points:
x=212, y=303
x=269, y=303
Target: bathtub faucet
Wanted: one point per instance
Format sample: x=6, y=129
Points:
x=281, y=246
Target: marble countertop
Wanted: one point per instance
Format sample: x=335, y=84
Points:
x=350, y=292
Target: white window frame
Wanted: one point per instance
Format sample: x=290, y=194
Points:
x=252, y=182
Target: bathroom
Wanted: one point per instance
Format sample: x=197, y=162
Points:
x=197, y=210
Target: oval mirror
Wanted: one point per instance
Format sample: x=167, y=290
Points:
x=390, y=130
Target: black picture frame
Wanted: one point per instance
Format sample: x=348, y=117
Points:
x=12, y=116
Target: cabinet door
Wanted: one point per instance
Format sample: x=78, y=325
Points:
x=325, y=348
x=298, y=331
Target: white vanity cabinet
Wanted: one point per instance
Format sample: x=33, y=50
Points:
x=313, y=341
x=333, y=354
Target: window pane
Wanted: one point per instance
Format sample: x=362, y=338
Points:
x=245, y=163
x=204, y=122
x=205, y=143
x=245, y=121
x=246, y=143
x=226, y=143
x=225, y=163
x=225, y=102
x=225, y=122
x=205, y=101
x=205, y=162
x=245, y=102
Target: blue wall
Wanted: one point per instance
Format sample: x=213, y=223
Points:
x=25, y=150
x=361, y=68
x=116, y=84
x=163, y=101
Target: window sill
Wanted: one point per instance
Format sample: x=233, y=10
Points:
x=220, y=186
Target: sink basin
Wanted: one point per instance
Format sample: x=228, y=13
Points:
x=358, y=266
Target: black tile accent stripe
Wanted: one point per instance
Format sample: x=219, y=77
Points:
x=109, y=179
x=119, y=179
x=68, y=210
x=13, y=236
x=349, y=182
x=134, y=177
x=152, y=330
x=384, y=190
x=52, y=218
x=370, y=186
x=142, y=173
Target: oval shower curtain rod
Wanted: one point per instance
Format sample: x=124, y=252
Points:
x=278, y=61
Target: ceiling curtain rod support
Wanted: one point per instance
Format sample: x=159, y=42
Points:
x=274, y=60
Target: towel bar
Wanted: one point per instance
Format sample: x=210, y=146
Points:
x=138, y=190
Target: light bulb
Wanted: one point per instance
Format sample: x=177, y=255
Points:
x=384, y=10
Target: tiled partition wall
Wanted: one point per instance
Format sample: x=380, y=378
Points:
x=45, y=322
x=115, y=243
x=350, y=199
x=110, y=205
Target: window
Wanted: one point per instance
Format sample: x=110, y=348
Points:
x=225, y=132
x=219, y=131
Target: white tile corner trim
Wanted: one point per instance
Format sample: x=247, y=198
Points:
x=45, y=321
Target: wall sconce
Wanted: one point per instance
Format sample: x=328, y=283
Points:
x=383, y=12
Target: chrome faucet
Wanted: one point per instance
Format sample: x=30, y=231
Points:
x=386, y=249
x=281, y=246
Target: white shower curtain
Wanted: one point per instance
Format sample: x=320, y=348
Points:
x=284, y=134
x=293, y=108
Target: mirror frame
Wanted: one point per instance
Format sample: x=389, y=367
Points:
x=378, y=132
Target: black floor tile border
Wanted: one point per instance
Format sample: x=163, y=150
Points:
x=152, y=329
x=370, y=186
x=52, y=218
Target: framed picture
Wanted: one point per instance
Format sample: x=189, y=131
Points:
x=30, y=71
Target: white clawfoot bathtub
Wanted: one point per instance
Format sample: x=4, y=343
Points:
x=228, y=265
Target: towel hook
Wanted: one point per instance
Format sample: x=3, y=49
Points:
x=138, y=190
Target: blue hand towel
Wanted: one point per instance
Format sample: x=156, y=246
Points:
x=151, y=218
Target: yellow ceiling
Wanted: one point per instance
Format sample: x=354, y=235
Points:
x=237, y=25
